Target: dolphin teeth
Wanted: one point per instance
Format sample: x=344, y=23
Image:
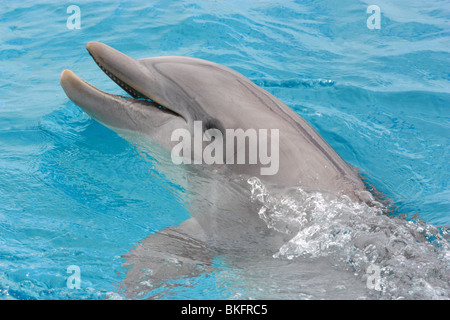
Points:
x=131, y=91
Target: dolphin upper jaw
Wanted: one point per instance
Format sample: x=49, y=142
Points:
x=127, y=72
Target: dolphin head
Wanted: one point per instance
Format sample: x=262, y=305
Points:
x=169, y=93
x=174, y=92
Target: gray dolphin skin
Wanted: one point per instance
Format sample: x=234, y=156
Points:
x=172, y=92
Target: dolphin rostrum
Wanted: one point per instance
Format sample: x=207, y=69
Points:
x=175, y=92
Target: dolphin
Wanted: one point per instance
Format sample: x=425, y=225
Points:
x=173, y=92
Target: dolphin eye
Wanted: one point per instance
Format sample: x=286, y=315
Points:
x=212, y=124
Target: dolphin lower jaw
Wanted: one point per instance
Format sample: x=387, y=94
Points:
x=114, y=110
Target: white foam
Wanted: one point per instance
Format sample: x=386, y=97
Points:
x=411, y=256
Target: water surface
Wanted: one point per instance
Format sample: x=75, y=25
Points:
x=73, y=192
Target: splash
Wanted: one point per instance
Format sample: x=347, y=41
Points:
x=397, y=257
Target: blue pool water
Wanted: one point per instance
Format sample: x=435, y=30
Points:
x=73, y=192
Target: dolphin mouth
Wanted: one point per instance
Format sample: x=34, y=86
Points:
x=125, y=86
x=70, y=81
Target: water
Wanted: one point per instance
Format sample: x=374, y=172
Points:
x=75, y=193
